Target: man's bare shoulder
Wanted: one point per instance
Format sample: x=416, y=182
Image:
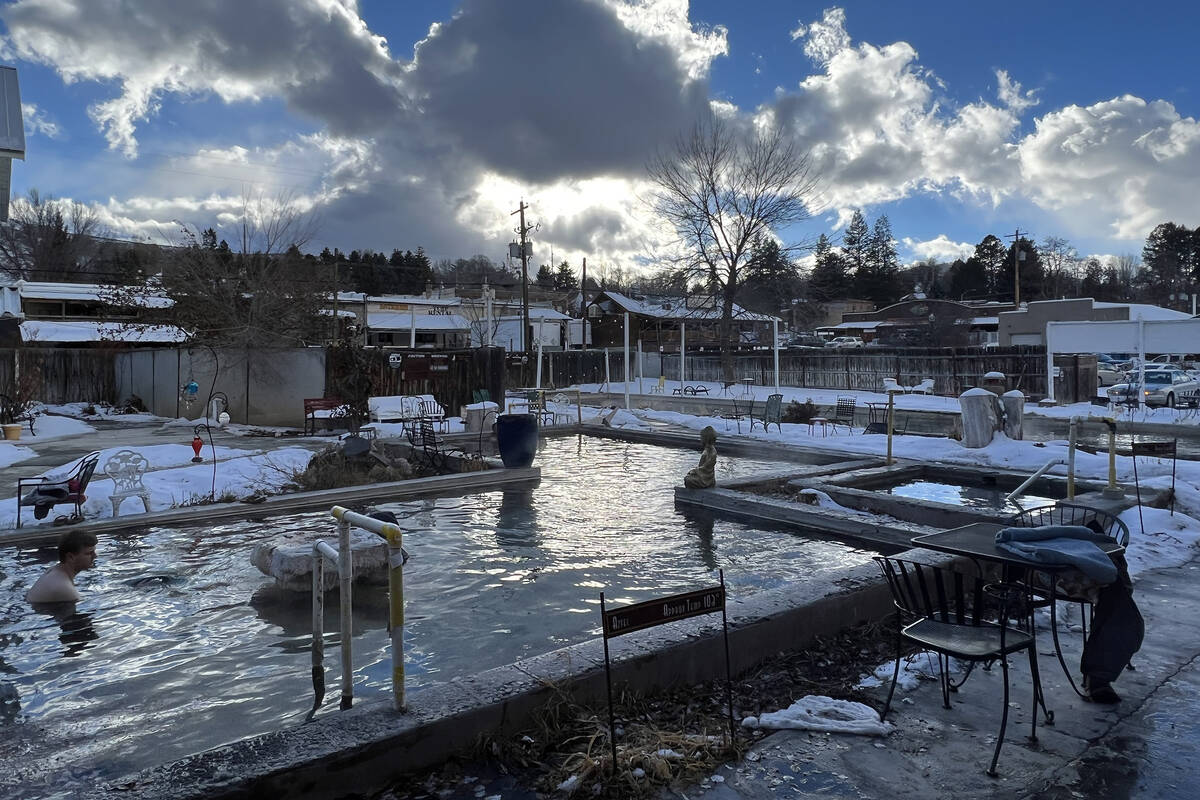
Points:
x=53, y=587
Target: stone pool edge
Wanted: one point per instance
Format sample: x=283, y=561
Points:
x=280, y=504
x=365, y=748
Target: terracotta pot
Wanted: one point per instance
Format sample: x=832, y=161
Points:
x=12, y=431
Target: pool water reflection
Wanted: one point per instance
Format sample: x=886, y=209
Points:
x=180, y=644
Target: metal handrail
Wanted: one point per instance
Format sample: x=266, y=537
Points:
x=342, y=558
x=1042, y=470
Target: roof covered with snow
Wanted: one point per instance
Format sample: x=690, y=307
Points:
x=1145, y=310
x=67, y=332
x=91, y=292
x=675, y=308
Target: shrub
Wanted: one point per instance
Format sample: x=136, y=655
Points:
x=800, y=412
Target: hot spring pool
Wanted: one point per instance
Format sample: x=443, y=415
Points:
x=962, y=494
x=180, y=644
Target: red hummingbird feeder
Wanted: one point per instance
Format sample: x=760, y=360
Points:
x=197, y=445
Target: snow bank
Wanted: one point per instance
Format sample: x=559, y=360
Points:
x=14, y=453
x=239, y=473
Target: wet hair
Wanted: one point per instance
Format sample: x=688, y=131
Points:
x=73, y=542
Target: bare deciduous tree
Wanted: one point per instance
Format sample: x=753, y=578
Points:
x=48, y=239
x=266, y=294
x=720, y=189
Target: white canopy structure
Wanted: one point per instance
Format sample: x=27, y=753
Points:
x=1140, y=335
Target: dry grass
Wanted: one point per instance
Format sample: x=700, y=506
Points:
x=673, y=738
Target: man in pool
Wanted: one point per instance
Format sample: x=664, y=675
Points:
x=76, y=552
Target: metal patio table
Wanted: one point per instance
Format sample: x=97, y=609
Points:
x=977, y=542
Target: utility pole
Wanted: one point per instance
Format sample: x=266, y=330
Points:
x=1016, y=237
x=583, y=308
x=522, y=230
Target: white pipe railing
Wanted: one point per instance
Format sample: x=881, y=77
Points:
x=344, y=564
x=342, y=558
x=1042, y=470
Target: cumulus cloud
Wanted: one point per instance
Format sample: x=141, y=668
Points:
x=1010, y=94
x=1123, y=164
x=316, y=54
x=941, y=248
x=825, y=38
x=561, y=103
x=878, y=131
x=36, y=122
x=596, y=107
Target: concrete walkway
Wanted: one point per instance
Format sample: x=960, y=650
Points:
x=1147, y=746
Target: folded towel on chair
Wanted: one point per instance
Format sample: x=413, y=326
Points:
x=1071, y=545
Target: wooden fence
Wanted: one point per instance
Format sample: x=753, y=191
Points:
x=54, y=375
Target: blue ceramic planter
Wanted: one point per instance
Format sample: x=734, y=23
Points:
x=517, y=438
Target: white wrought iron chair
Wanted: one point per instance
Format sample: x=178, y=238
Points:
x=126, y=468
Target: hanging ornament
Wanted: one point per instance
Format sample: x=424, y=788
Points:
x=189, y=393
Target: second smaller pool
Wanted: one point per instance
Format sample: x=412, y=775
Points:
x=971, y=496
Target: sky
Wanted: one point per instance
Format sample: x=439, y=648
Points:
x=426, y=122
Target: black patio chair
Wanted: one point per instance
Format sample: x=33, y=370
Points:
x=47, y=492
x=772, y=413
x=1065, y=513
x=843, y=412
x=944, y=612
x=739, y=412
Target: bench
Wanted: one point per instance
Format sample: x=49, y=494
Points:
x=691, y=390
x=126, y=468
x=321, y=408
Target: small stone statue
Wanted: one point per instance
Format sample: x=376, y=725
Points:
x=702, y=476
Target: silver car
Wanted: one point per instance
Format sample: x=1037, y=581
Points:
x=1164, y=387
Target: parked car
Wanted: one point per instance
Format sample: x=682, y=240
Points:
x=1109, y=374
x=845, y=341
x=804, y=340
x=1164, y=387
x=1174, y=359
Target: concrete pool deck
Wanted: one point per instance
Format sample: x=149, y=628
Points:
x=1147, y=746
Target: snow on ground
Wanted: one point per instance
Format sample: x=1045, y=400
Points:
x=14, y=453
x=825, y=715
x=52, y=427
x=239, y=474
x=93, y=411
x=904, y=402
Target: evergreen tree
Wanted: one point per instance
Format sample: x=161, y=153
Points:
x=1171, y=257
x=967, y=279
x=829, y=279
x=771, y=281
x=878, y=279
x=545, y=277
x=1092, y=284
x=856, y=244
x=564, y=278
x=989, y=259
